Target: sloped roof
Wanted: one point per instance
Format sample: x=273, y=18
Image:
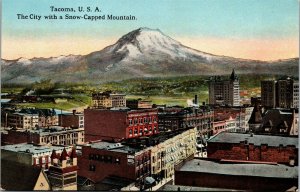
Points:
x=18, y=177
x=64, y=155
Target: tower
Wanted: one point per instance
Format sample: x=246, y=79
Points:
x=63, y=170
x=225, y=92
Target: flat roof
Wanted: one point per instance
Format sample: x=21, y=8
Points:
x=32, y=149
x=270, y=140
x=117, y=147
x=191, y=188
x=54, y=130
x=240, y=169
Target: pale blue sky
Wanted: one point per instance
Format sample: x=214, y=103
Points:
x=254, y=19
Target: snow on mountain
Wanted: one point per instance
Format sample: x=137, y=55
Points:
x=143, y=52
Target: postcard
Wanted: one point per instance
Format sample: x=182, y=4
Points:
x=149, y=95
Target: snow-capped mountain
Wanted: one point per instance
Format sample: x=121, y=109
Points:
x=141, y=53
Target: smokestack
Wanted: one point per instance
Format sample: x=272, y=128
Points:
x=196, y=99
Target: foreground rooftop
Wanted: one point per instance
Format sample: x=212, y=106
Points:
x=240, y=169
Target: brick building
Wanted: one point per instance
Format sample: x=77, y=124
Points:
x=249, y=147
x=228, y=175
x=175, y=118
x=52, y=135
x=236, y=118
x=102, y=159
x=135, y=159
x=74, y=120
x=108, y=100
x=116, y=125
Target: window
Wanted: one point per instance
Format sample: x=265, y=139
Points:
x=130, y=131
x=91, y=156
x=117, y=161
x=92, y=168
x=130, y=121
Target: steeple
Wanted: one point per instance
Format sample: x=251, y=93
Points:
x=233, y=76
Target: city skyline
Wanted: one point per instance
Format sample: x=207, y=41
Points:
x=257, y=30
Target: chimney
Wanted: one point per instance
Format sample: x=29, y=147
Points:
x=203, y=103
x=196, y=99
x=74, y=112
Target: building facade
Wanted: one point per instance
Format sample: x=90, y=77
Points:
x=73, y=120
x=239, y=176
x=176, y=118
x=116, y=125
x=102, y=159
x=224, y=92
x=268, y=93
x=296, y=95
x=52, y=135
x=139, y=104
x=249, y=147
x=108, y=100
x=30, y=154
x=283, y=93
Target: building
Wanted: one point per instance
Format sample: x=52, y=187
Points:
x=255, y=121
x=280, y=122
x=29, y=118
x=250, y=147
x=108, y=100
x=235, y=118
x=53, y=135
x=283, y=93
x=296, y=95
x=73, y=120
x=118, y=124
x=139, y=103
x=176, y=118
x=268, y=93
x=137, y=159
x=224, y=92
x=19, y=120
x=230, y=175
x=30, y=154
x=102, y=159
x=170, y=151
x=20, y=177
x=63, y=170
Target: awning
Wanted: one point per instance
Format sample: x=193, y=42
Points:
x=149, y=180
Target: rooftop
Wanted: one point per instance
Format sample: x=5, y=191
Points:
x=190, y=188
x=225, y=137
x=240, y=169
x=117, y=147
x=32, y=149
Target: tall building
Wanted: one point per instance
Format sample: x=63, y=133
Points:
x=108, y=100
x=225, y=92
x=296, y=95
x=285, y=93
x=268, y=93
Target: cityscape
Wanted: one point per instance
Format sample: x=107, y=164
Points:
x=192, y=95
x=133, y=144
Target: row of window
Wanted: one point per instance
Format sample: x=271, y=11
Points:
x=104, y=158
x=136, y=121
